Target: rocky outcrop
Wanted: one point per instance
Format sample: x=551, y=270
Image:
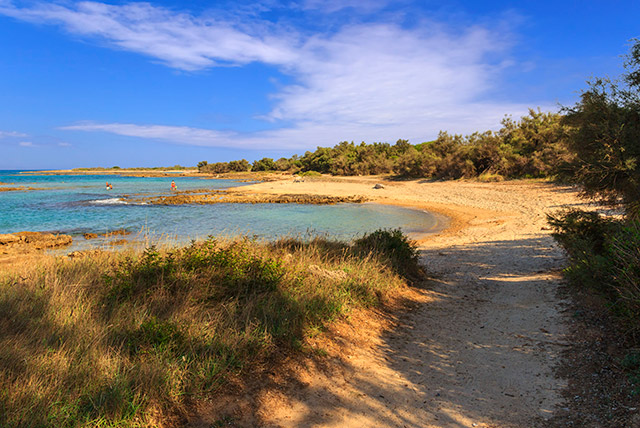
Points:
x=31, y=241
x=229, y=197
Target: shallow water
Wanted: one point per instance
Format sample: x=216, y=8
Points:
x=80, y=204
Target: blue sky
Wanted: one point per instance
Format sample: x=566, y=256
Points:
x=165, y=83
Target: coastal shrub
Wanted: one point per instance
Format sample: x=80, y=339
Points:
x=604, y=133
x=534, y=146
x=584, y=235
x=213, y=168
x=625, y=250
x=265, y=164
x=310, y=174
x=138, y=338
x=393, y=247
x=241, y=165
x=604, y=254
x=631, y=364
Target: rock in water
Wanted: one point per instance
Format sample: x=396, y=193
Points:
x=25, y=241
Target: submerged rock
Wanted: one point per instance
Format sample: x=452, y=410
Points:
x=18, y=189
x=117, y=232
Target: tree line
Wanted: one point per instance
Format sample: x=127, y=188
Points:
x=530, y=147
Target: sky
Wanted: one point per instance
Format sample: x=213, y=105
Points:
x=164, y=83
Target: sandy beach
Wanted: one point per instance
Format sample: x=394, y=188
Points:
x=475, y=347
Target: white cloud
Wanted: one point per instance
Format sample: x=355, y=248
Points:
x=64, y=144
x=26, y=144
x=6, y=134
x=372, y=82
x=330, y=6
x=177, y=134
x=180, y=40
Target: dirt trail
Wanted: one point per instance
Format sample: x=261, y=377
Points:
x=479, y=347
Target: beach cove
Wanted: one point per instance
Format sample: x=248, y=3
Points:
x=77, y=204
x=478, y=345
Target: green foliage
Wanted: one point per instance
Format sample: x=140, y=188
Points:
x=309, y=174
x=202, y=166
x=223, y=167
x=213, y=168
x=584, y=235
x=534, y=146
x=604, y=255
x=265, y=164
x=605, y=130
x=631, y=364
x=241, y=165
x=395, y=248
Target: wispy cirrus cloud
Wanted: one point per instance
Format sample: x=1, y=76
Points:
x=7, y=134
x=180, y=40
x=178, y=134
x=330, y=6
x=373, y=81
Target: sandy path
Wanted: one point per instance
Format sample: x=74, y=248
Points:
x=480, y=345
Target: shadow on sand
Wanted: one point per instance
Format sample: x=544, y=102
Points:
x=479, y=349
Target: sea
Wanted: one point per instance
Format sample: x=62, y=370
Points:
x=79, y=204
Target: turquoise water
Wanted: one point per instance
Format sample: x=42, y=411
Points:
x=79, y=204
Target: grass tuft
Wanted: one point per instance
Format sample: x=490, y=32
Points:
x=136, y=338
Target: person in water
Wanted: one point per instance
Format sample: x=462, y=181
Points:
x=109, y=186
x=173, y=185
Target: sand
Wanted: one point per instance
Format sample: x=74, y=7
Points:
x=475, y=347
x=480, y=343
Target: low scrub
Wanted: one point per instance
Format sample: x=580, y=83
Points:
x=136, y=339
x=604, y=255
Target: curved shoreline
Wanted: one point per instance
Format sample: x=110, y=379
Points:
x=454, y=217
x=481, y=342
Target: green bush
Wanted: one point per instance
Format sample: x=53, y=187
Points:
x=395, y=248
x=604, y=254
x=310, y=174
x=584, y=235
x=265, y=164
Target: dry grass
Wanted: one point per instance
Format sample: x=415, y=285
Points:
x=136, y=338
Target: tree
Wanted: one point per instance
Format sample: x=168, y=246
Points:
x=605, y=136
x=265, y=164
x=202, y=166
x=241, y=165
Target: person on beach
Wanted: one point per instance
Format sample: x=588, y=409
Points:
x=173, y=186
